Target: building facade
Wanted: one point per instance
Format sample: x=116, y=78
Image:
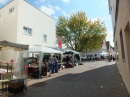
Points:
x=120, y=15
x=103, y=49
x=20, y=22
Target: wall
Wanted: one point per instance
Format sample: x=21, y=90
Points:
x=8, y=27
x=102, y=49
x=122, y=21
x=40, y=24
x=112, y=11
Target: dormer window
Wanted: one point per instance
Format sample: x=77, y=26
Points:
x=11, y=10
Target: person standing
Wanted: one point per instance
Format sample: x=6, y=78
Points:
x=67, y=60
x=50, y=64
x=56, y=64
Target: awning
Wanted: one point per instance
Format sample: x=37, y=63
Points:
x=43, y=49
x=5, y=45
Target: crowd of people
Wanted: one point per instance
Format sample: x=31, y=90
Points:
x=101, y=57
x=51, y=64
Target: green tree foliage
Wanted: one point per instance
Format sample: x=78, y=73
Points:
x=80, y=33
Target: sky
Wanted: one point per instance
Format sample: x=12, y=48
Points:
x=93, y=9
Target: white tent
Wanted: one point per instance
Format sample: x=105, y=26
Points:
x=19, y=72
x=41, y=50
x=5, y=45
x=74, y=53
x=104, y=53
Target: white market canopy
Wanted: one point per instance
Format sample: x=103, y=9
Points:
x=5, y=45
x=44, y=50
x=75, y=52
x=103, y=53
x=41, y=50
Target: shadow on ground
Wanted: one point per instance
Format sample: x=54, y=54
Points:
x=100, y=82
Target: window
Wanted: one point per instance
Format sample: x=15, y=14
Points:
x=116, y=45
x=44, y=37
x=27, y=31
x=11, y=10
x=117, y=56
x=122, y=45
x=116, y=11
x=129, y=4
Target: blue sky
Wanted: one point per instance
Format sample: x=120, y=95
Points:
x=93, y=9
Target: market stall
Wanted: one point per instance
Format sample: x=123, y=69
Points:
x=14, y=79
x=41, y=51
x=72, y=57
x=75, y=55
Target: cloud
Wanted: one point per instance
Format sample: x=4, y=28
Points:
x=56, y=17
x=3, y=2
x=39, y=1
x=65, y=14
x=110, y=38
x=54, y=7
x=102, y=19
x=66, y=1
x=93, y=19
x=49, y=11
x=57, y=8
x=104, y=2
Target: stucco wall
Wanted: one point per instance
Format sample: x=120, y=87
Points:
x=122, y=21
x=11, y=26
x=8, y=27
x=40, y=24
x=102, y=49
x=112, y=10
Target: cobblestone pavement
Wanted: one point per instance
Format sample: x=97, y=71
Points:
x=93, y=79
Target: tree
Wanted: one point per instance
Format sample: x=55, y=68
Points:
x=80, y=33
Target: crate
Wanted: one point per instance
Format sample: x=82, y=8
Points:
x=15, y=87
x=15, y=84
x=15, y=90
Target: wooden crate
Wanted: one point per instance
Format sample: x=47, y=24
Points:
x=15, y=84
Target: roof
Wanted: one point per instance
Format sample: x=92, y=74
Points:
x=111, y=47
x=71, y=52
x=59, y=49
x=5, y=45
x=29, y=4
x=109, y=7
x=107, y=45
x=43, y=49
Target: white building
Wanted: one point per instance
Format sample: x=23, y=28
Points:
x=103, y=49
x=22, y=23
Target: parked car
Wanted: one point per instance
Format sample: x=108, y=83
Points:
x=84, y=57
x=89, y=57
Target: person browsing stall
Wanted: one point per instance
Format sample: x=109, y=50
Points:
x=51, y=62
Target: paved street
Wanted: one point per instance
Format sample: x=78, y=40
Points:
x=93, y=79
